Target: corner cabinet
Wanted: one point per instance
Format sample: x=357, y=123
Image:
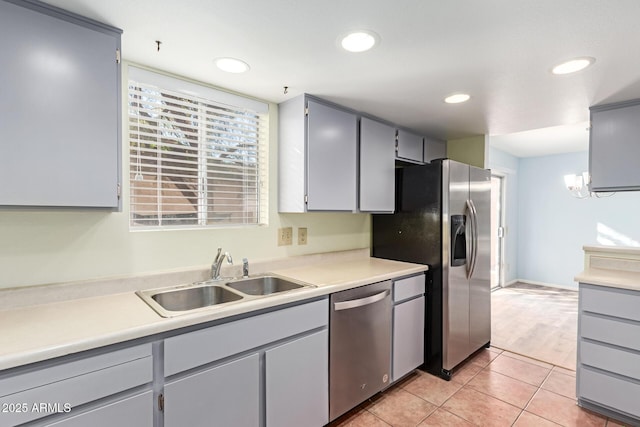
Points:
x=317, y=149
x=614, y=147
x=59, y=109
x=410, y=147
x=608, y=374
x=434, y=149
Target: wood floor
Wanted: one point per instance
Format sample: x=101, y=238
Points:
x=537, y=322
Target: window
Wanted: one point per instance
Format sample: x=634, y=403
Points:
x=197, y=155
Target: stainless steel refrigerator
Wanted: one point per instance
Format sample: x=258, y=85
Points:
x=443, y=218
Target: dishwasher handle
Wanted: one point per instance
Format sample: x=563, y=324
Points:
x=354, y=303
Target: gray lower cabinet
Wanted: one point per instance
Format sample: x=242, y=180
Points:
x=608, y=374
x=614, y=147
x=410, y=147
x=408, y=325
x=80, y=389
x=60, y=108
x=224, y=374
x=377, y=167
x=297, y=382
x=225, y=395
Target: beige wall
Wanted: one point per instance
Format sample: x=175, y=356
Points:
x=472, y=150
x=51, y=246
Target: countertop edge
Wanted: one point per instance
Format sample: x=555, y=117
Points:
x=610, y=278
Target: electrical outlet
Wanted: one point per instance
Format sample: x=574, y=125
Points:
x=302, y=235
x=285, y=236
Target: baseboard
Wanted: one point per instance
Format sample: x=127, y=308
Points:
x=513, y=282
x=548, y=285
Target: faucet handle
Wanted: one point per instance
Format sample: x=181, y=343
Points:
x=245, y=267
x=229, y=259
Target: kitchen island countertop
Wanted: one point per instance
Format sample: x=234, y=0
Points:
x=611, y=266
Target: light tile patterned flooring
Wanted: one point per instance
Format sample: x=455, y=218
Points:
x=536, y=321
x=494, y=388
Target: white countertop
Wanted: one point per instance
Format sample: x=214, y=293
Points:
x=35, y=333
x=611, y=266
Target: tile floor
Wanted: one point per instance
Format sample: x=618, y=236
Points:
x=494, y=388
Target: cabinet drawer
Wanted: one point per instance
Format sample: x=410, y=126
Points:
x=610, y=359
x=135, y=411
x=197, y=348
x=610, y=301
x=407, y=288
x=609, y=391
x=75, y=383
x=624, y=333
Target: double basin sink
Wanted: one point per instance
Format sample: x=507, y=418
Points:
x=198, y=296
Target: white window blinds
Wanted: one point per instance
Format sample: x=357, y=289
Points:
x=198, y=156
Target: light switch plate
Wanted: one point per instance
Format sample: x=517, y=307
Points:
x=285, y=236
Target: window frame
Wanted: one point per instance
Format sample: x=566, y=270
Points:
x=207, y=99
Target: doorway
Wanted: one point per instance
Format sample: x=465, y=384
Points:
x=497, y=230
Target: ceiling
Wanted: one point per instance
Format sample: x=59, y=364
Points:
x=499, y=51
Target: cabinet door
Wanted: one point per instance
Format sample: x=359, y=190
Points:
x=331, y=158
x=434, y=149
x=377, y=166
x=408, y=337
x=59, y=111
x=410, y=146
x=227, y=395
x=135, y=411
x=614, y=149
x=297, y=382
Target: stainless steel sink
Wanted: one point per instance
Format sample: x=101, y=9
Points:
x=172, y=301
x=264, y=285
x=199, y=296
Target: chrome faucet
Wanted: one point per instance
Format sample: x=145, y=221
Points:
x=217, y=263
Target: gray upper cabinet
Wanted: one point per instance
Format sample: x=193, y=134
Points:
x=59, y=109
x=614, y=147
x=377, y=166
x=331, y=163
x=410, y=146
x=434, y=149
x=317, y=156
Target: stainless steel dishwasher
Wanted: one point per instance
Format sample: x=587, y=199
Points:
x=359, y=345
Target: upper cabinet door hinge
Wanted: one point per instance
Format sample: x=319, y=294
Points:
x=306, y=111
x=397, y=143
x=161, y=402
x=119, y=190
x=117, y=56
x=306, y=199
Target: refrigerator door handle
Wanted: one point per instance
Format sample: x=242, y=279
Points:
x=473, y=216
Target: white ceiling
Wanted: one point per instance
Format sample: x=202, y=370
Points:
x=499, y=51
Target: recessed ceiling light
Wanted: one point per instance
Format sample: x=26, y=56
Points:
x=232, y=65
x=359, y=41
x=457, y=98
x=573, y=65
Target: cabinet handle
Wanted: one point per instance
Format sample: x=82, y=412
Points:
x=345, y=305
